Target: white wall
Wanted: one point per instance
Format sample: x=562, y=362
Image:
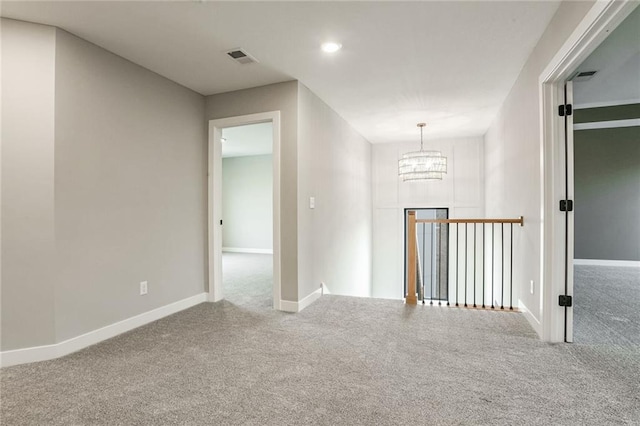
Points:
x=320, y=156
x=114, y=182
x=130, y=188
x=461, y=190
x=513, y=157
x=247, y=202
x=334, y=166
x=28, y=71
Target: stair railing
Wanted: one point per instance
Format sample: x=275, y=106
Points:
x=473, y=263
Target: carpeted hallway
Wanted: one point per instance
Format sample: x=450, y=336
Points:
x=247, y=279
x=341, y=361
x=607, y=305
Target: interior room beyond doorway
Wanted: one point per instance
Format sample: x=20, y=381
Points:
x=247, y=214
x=606, y=158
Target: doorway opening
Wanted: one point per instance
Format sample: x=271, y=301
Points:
x=557, y=255
x=244, y=209
x=606, y=184
x=247, y=214
x=432, y=260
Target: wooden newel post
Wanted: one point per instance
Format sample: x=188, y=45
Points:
x=410, y=298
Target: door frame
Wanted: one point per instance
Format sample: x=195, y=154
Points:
x=215, y=292
x=598, y=23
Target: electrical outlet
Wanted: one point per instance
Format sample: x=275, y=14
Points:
x=143, y=288
x=531, y=286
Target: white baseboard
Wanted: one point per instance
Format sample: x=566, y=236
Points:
x=604, y=262
x=309, y=299
x=533, y=321
x=43, y=353
x=246, y=250
x=289, y=306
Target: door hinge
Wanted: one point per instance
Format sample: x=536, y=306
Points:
x=565, y=110
x=565, y=300
x=566, y=205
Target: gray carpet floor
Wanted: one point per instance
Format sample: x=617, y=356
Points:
x=247, y=279
x=341, y=361
x=607, y=305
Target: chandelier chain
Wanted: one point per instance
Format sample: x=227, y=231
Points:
x=421, y=125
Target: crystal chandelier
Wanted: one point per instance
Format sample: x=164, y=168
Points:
x=422, y=165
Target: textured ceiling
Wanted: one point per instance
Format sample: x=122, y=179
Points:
x=450, y=64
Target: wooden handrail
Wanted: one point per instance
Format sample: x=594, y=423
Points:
x=519, y=221
x=410, y=297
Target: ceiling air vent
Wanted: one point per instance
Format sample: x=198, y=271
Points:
x=583, y=75
x=241, y=57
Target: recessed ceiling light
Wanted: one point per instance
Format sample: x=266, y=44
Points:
x=331, y=47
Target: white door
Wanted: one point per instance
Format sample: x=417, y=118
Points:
x=568, y=209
